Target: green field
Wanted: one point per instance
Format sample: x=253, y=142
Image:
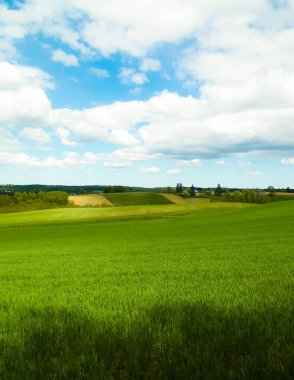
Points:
x=135, y=199
x=203, y=295
x=81, y=215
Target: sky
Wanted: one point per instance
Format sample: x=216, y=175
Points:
x=147, y=92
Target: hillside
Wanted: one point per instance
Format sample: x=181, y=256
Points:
x=136, y=199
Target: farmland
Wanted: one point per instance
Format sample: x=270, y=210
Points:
x=90, y=200
x=203, y=292
x=128, y=199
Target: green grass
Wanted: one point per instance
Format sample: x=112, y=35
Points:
x=205, y=295
x=135, y=199
x=82, y=215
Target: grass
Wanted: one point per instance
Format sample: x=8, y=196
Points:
x=205, y=295
x=136, y=199
x=84, y=215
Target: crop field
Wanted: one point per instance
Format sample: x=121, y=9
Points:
x=97, y=200
x=174, y=198
x=203, y=294
x=134, y=199
x=80, y=215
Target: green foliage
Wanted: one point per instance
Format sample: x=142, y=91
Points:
x=243, y=196
x=22, y=201
x=115, y=189
x=179, y=188
x=218, y=191
x=201, y=296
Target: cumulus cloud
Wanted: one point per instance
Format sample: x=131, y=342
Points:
x=22, y=159
x=149, y=64
x=22, y=96
x=100, y=73
x=36, y=134
x=64, y=58
x=180, y=127
x=130, y=76
x=122, y=137
x=119, y=158
x=240, y=56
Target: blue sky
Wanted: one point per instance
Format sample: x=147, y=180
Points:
x=147, y=93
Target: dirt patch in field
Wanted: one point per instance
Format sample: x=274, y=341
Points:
x=90, y=200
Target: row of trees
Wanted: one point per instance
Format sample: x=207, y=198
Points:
x=219, y=194
x=244, y=196
x=187, y=191
x=19, y=201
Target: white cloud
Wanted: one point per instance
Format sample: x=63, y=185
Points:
x=288, y=161
x=149, y=64
x=152, y=169
x=130, y=76
x=100, y=73
x=21, y=159
x=22, y=96
x=36, y=134
x=122, y=137
x=180, y=127
x=64, y=134
x=194, y=162
x=243, y=62
x=64, y=58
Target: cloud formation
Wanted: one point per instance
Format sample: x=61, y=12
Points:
x=237, y=59
x=64, y=58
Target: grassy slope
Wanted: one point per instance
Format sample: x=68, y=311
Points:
x=174, y=198
x=76, y=215
x=134, y=199
x=205, y=295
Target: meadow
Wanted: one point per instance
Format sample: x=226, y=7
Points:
x=203, y=292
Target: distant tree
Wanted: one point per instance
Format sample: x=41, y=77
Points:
x=192, y=191
x=179, y=188
x=271, y=191
x=218, y=191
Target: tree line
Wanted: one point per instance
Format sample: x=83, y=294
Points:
x=22, y=201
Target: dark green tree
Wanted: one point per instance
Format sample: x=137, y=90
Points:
x=218, y=190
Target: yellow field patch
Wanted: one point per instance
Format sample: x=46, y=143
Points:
x=179, y=200
x=174, y=198
x=90, y=200
x=287, y=194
